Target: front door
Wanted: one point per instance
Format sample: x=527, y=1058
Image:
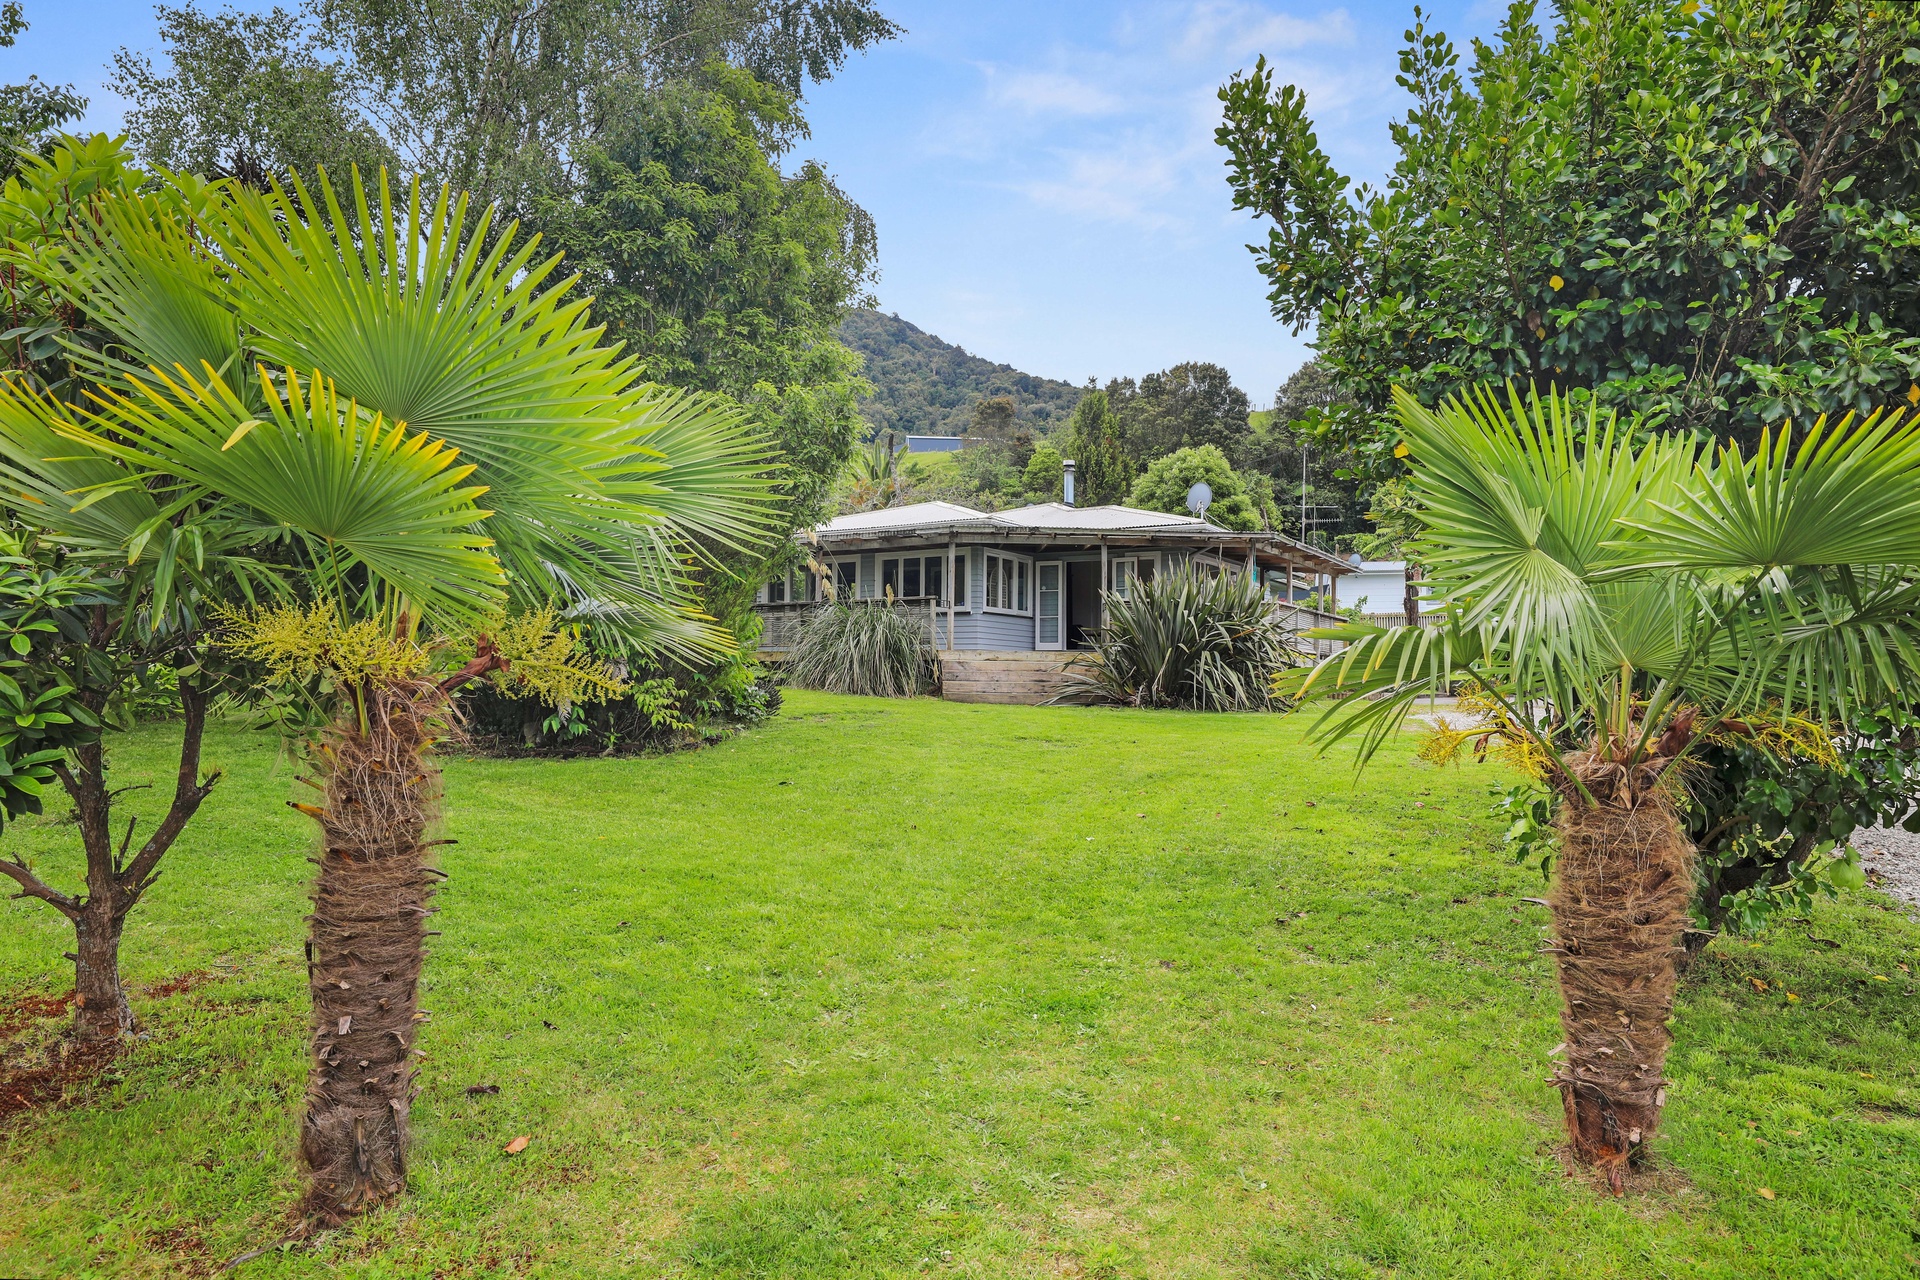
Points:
x=1049, y=629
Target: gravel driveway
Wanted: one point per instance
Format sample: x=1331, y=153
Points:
x=1891, y=858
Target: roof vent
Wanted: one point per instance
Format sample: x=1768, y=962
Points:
x=1066, y=481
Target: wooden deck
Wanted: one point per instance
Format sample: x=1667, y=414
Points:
x=1018, y=677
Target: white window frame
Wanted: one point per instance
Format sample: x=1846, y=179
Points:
x=1021, y=580
x=1117, y=581
x=936, y=554
x=832, y=566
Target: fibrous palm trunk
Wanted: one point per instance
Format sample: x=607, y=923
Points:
x=366, y=945
x=1622, y=884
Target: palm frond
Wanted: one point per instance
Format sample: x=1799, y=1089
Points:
x=360, y=491
x=1850, y=494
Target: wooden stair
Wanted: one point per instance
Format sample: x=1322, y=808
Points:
x=1018, y=677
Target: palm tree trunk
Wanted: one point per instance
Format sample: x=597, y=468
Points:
x=366, y=945
x=1623, y=881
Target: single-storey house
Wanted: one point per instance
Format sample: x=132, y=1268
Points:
x=1007, y=594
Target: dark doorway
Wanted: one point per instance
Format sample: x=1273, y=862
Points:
x=1083, y=604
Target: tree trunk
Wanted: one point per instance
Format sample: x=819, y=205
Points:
x=366, y=946
x=1623, y=881
x=115, y=884
x=100, y=1010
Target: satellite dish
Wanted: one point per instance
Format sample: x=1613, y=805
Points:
x=1199, y=497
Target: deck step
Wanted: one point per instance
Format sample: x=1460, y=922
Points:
x=1014, y=677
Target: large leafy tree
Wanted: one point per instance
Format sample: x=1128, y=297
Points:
x=307, y=392
x=31, y=112
x=1167, y=481
x=1103, y=470
x=492, y=96
x=1624, y=606
x=250, y=92
x=1700, y=214
x=1186, y=406
x=718, y=271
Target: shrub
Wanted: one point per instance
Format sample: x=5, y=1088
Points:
x=865, y=647
x=1184, y=639
x=1166, y=482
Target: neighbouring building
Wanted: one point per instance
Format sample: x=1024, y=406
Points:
x=1378, y=588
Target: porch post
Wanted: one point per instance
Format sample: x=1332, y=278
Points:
x=1104, y=582
x=953, y=572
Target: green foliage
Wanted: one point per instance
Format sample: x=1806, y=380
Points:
x=495, y=99
x=1622, y=591
x=924, y=386
x=1769, y=825
x=1527, y=809
x=43, y=662
x=717, y=270
x=253, y=94
x=1395, y=513
x=1165, y=484
x=1043, y=477
x=1693, y=213
x=1208, y=642
x=865, y=647
x=1103, y=472
x=1296, y=446
x=1190, y=405
x=30, y=113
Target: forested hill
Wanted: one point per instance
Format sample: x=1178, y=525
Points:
x=928, y=387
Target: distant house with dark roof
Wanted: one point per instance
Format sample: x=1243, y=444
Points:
x=1007, y=589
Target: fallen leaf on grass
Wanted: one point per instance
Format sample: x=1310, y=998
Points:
x=1792, y=998
x=1766, y=1193
x=518, y=1145
x=475, y=1090
x=1757, y=984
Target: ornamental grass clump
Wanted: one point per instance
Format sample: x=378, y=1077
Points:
x=864, y=647
x=1183, y=639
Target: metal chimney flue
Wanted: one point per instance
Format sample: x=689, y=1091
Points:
x=1066, y=481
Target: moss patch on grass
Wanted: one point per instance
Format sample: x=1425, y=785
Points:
x=898, y=987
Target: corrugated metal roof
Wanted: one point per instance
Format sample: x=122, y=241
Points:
x=1058, y=515
x=1052, y=521
x=912, y=516
x=1041, y=516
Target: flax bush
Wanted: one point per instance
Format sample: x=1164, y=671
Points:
x=1184, y=639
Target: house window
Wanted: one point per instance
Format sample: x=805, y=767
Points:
x=960, y=576
x=1128, y=570
x=913, y=577
x=1006, y=582
x=777, y=591
x=846, y=578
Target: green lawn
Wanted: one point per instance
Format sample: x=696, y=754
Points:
x=891, y=987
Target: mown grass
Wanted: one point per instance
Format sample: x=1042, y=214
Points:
x=899, y=987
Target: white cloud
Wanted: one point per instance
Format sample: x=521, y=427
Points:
x=1050, y=93
x=1119, y=129
x=1237, y=31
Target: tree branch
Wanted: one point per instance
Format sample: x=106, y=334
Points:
x=32, y=886
x=188, y=792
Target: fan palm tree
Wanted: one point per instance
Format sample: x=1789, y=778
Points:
x=398, y=411
x=1620, y=603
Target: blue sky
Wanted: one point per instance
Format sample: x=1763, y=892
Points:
x=1043, y=175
